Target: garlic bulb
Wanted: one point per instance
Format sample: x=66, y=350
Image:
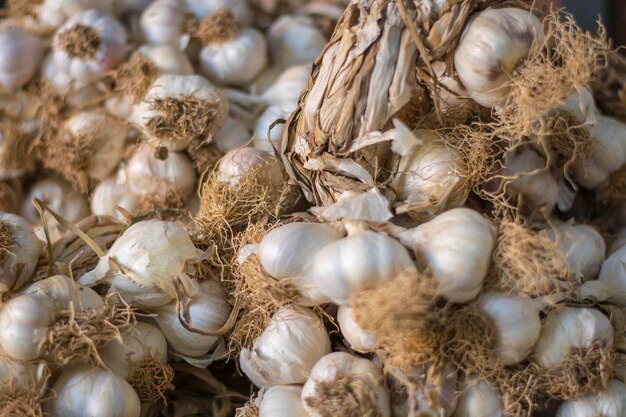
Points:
x=53, y=13
x=516, y=319
x=285, y=352
x=19, y=252
x=83, y=390
x=611, y=283
x=568, y=329
x=281, y=401
x=262, y=128
x=343, y=384
x=456, y=246
x=294, y=40
x=238, y=163
x=287, y=252
x=358, y=338
x=147, y=260
x=357, y=262
x=583, y=247
x=147, y=174
x=18, y=377
x=20, y=56
x=489, y=50
x=423, y=390
x=610, y=402
x=167, y=59
x=179, y=109
x=239, y=9
x=285, y=90
x=165, y=22
x=479, y=399
x=208, y=311
x=88, y=45
x=111, y=193
x=234, y=134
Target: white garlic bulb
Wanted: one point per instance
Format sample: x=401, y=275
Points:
x=610, y=402
x=516, y=319
x=343, y=384
x=456, y=246
x=490, y=48
x=180, y=108
x=20, y=56
x=358, y=262
x=239, y=9
x=358, y=338
x=147, y=174
x=53, y=13
x=479, y=399
x=61, y=291
x=111, y=193
x=294, y=40
x=83, y=390
x=208, y=311
x=287, y=252
x=263, y=124
x=165, y=22
x=88, y=45
x=286, y=89
x=611, y=283
x=238, y=163
x=234, y=134
x=288, y=348
x=19, y=252
x=281, y=401
x=145, y=262
x=167, y=59
x=569, y=328
x=18, y=377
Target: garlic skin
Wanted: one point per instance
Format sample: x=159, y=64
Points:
x=490, y=48
x=288, y=251
x=165, y=22
x=143, y=341
x=345, y=372
x=83, y=390
x=281, y=401
x=21, y=54
x=209, y=310
x=516, y=319
x=18, y=377
x=288, y=348
x=233, y=135
x=239, y=9
x=294, y=40
x=456, y=246
x=262, y=128
x=569, y=328
x=111, y=193
x=611, y=283
x=147, y=174
x=285, y=90
x=357, y=262
x=89, y=63
x=359, y=339
x=479, y=399
x=610, y=402
x=238, y=163
x=237, y=61
x=167, y=59
x=20, y=250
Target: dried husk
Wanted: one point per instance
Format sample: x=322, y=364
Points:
x=249, y=409
x=134, y=78
x=27, y=402
x=9, y=201
x=609, y=86
x=346, y=396
x=151, y=379
x=17, y=154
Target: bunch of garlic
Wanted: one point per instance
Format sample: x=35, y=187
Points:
x=19, y=252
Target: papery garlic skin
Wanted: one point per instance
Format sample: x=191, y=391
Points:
x=165, y=22
x=358, y=338
x=456, y=246
x=208, y=311
x=294, y=40
x=233, y=135
x=21, y=253
x=611, y=283
x=516, y=319
x=358, y=262
x=610, y=402
x=493, y=43
x=262, y=128
x=238, y=163
x=570, y=328
x=288, y=348
x=340, y=368
x=479, y=399
x=281, y=401
x=83, y=390
x=167, y=59
x=239, y=8
x=111, y=193
x=21, y=54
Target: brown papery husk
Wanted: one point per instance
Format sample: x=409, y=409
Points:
x=204, y=154
x=613, y=191
x=249, y=409
x=523, y=389
x=24, y=402
x=343, y=396
x=7, y=239
x=151, y=379
x=80, y=41
x=135, y=77
x=217, y=27
x=165, y=196
x=18, y=147
x=22, y=8
x=9, y=201
x=609, y=87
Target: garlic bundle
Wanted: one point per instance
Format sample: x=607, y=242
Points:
x=234, y=134
x=357, y=262
x=239, y=163
x=294, y=40
x=610, y=402
x=479, y=399
x=179, y=109
x=288, y=348
x=281, y=401
x=88, y=45
x=517, y=321
x=230, y=55
x=145, y=263
x=111, y=193
x=208, y=311
x=359, y=339
x=611, y=283
x=489, y=50
x=165, y=22
x=456, y=247
x=19, y=252
x=167, y=59
x=346, y=385
x=20, y=56
x=83, y=390
x=239, y=9
x=287, y=252
x=262, y=128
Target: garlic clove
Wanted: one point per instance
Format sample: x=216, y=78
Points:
x=19, y=252
x=359, y=339
x=21, y=54
x=239, y=163
x=479, y=399
x=281, y=401
x=611, y=283
x=294, y=40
